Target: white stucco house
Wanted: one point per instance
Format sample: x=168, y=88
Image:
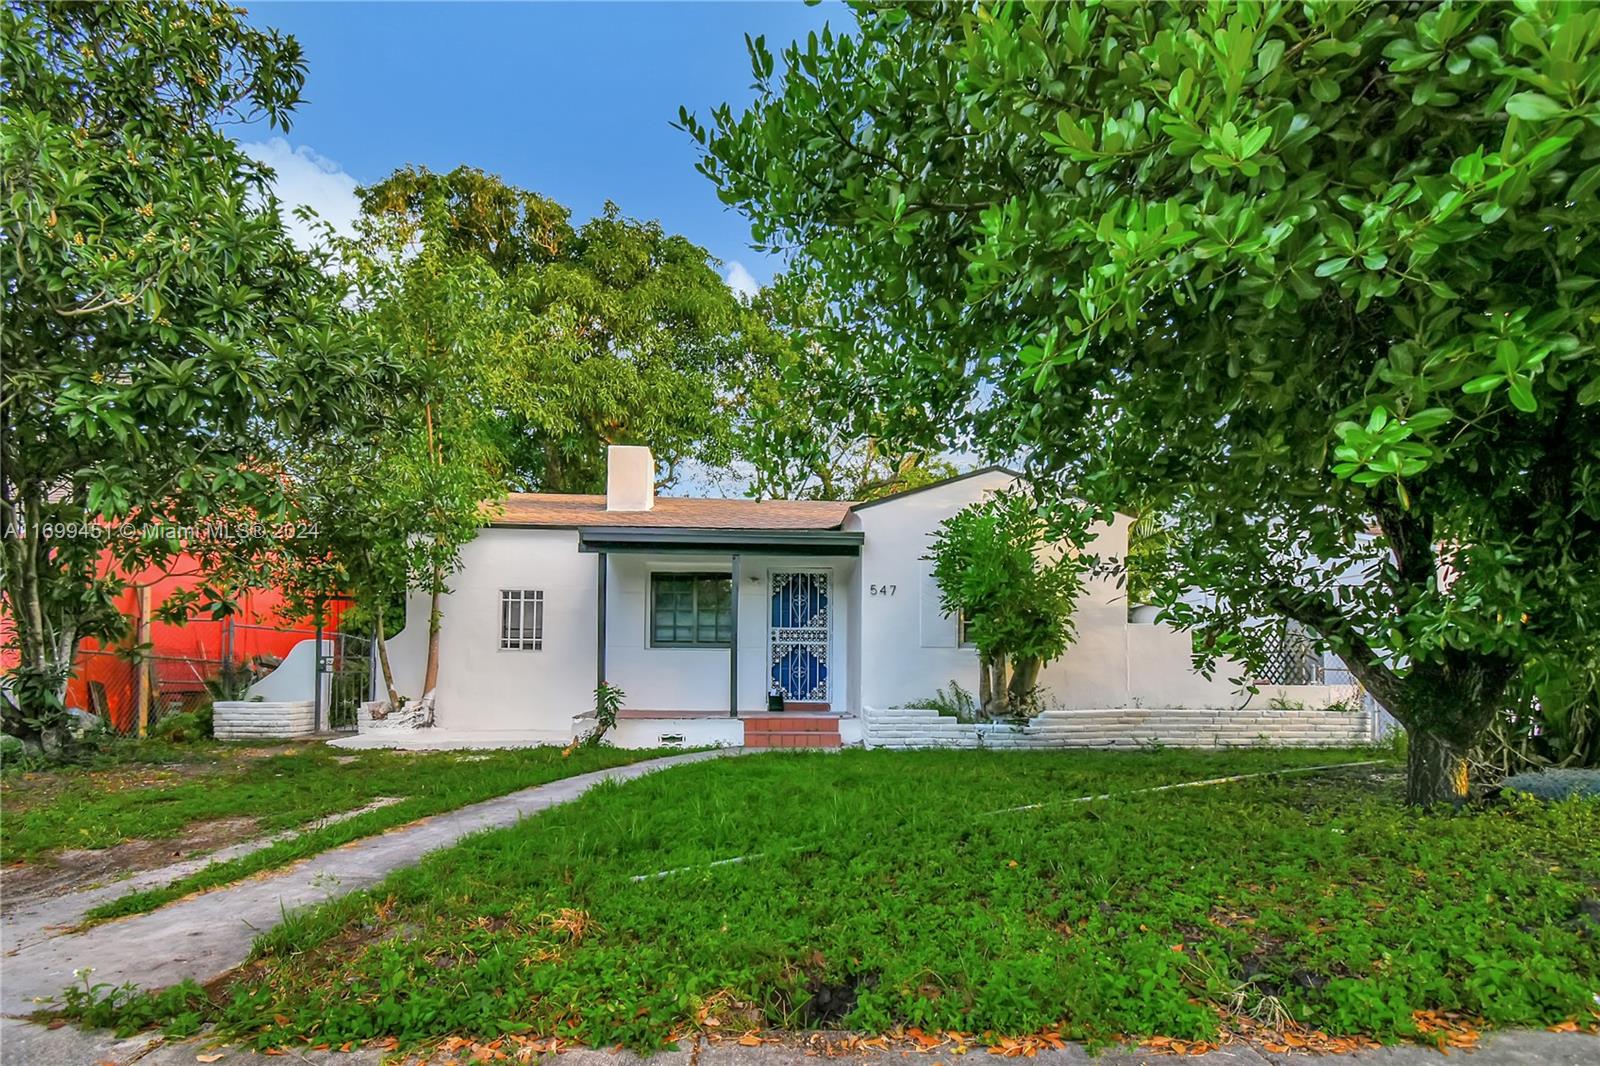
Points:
x=701, y=609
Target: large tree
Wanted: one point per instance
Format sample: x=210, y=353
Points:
x=1318, y=281
x=629, y=332
x=463, y=345
x=161, y=335
x=806, y=426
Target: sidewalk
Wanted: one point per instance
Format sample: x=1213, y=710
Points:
x=27, y=1044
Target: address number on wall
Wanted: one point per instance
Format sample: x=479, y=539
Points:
x=881, y=590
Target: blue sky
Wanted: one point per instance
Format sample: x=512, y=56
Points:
x=573, y=100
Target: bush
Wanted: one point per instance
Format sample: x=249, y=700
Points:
x=1556, y=784
x=11, y=750
x=956, y=702
x=184, y=727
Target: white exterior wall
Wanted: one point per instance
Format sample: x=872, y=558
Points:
x=482, y=687
x=890, y=642
x=908, y=647
x=294, y=679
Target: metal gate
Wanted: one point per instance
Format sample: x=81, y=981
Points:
x=798, y=636
x=344, y=679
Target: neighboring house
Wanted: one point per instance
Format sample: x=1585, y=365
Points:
x=700, y=609
x=180, y=656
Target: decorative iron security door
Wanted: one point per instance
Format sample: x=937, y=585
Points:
x=798, y=637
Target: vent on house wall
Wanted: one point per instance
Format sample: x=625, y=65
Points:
x=670, y=740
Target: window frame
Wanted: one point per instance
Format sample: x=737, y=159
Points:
x=522, y=598
x=962, y=640
x=693, y=577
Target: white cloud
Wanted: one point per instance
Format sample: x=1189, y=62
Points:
x=741, y=280
x=306, y=178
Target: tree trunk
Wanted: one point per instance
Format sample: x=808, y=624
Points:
x=430, y=677
x=383, y=663
x=992, y=687
x=1436, y=770
x=984, y=694
x=32, y=708
x=1024, y=680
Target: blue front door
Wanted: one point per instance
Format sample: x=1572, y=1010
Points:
x=798, y=636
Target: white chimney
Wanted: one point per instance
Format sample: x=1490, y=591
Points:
x=630, y=478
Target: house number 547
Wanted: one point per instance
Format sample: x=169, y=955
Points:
x=881, y=590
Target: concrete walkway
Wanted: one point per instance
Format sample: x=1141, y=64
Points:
x=207, y=935
x=28, y=921
x=32, y=1045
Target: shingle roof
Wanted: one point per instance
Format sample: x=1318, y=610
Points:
x=557, y=510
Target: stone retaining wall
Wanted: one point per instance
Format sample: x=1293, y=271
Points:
x=1127, y=727
x=263, y=719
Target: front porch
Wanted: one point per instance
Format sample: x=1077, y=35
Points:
x=711, y=623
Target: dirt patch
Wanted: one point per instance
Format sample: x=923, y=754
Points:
x=67, y=871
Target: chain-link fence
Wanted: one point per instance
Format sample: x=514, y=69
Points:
x=127, y=689
x=130, y=691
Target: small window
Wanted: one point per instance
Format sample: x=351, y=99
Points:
x=521, y=619
x=963, y=638
x=691, y=610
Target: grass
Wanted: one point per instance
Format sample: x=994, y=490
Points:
x=887, y=897
x=103, y=805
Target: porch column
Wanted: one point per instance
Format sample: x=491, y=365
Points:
x=600, y=624
x=733, y=642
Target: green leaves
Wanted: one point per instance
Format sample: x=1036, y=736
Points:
x=1384, y=447
x=1310, y=270
x=163, y=338
x=1535, y=107
x=1012, y=572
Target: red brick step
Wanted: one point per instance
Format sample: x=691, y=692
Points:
x=792, y=731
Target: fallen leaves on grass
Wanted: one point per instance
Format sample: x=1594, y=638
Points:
x=1027, y=1046
x=1447, y=1029
x=1235, y=1028
x=574, y=923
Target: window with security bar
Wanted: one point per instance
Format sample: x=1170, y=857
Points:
x=521, y=619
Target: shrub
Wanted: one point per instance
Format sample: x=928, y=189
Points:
x=232, y=681
x=1012, y=569
x=184, y=727
x=956, y=702
x=11, y=750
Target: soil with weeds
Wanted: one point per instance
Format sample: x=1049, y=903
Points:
x=69, y=871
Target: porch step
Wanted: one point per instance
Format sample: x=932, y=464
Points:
x=792, y=731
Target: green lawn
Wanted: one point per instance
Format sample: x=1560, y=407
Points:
x=886, y=895
x=175, y=788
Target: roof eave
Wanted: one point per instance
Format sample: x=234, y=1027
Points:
x=691, y=539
